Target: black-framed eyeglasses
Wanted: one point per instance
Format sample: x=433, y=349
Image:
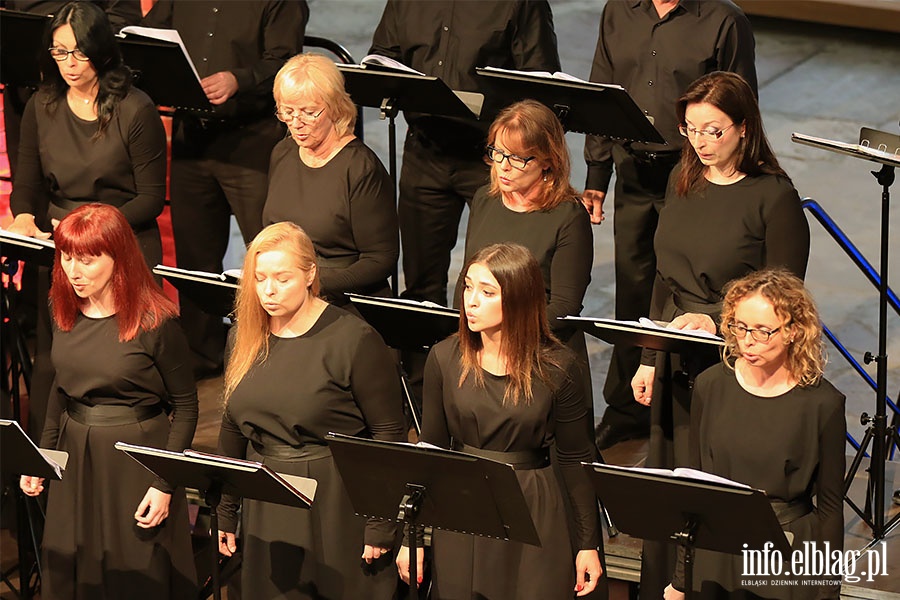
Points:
x=760, y=335
x=287, y=115
x=61, y=54
x=707, y=134
x=516, y=161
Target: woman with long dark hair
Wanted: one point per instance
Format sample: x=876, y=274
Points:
x=113, y=530
x=505, y=388
x=88, y=135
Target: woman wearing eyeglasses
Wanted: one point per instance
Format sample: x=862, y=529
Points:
x=765, y=417
x=530, y=201
x=323, y=178
x=729, y=210
x=88, y=135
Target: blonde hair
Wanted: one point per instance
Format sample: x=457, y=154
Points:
x=317, y=76
x=251, y=339
x=802, y=330
x=541, y=135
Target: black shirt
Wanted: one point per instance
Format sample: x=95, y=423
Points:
x=657, y=59
x=450, y=39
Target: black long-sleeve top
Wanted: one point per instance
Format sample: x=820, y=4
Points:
x=61, y=163
x=449, y=39
x=657, y=59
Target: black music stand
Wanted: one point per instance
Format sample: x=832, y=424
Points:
x=581, y=106
x=214, y=475
x=883, y=148
x=694, y=513
x=391, y=91
x=407, y=326
x=432, y=487
x=21, y=44
x=163, y=71
x=634, y=333
x=212, y=292
x=20, y=456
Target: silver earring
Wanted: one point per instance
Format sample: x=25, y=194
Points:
x=545, y=179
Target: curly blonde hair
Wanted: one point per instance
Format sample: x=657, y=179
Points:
x=802, y=329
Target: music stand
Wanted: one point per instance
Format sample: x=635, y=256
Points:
x=408, y=326
x=581, y=106
x=214, y=475
x=695, y=514
x=883, y=148
x=21, y=43
x=20, y=456
x=212, y=292
x=649, y=335
x=162, y=70
x=432, y=487
x=392, y=91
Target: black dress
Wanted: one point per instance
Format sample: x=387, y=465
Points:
x=704, y=240
x=337, y=377
x=92, y=546
x=791, y=446
x=346, y=206
x=562, y=241
x=467, y=567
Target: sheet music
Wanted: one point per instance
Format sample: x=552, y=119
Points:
x=377, y=60
x=56, y=459
x=647, y=324
x=25, y=240
x=425, y=306
x=165, y=35
x=544, y=74
x=683, y=473
x=225, y=277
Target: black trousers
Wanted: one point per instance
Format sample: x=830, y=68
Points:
x=639, y=195
x=215, y=174
x=435, y=185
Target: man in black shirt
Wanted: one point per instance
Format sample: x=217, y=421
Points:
x=443, y=158
x=220, y=160
x=654, y=49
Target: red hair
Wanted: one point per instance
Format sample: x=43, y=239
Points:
x=95, y=229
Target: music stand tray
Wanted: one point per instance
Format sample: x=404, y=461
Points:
x=433, y=487
x=582, y=106
x=213, y=292
x=645, y=334
x=21, y=44
x=27, y=249
x=20, y=456
x=406, y=324
x=695, y=513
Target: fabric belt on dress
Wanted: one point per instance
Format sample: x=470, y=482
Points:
x=70, y=205
x=523, y=460
x=107, y=415
x=692, y=306
x=788, y=512
x=287, y=452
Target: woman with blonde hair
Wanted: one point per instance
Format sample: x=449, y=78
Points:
x=767, y=418
x=530, y=201
x=505, y=388
x=325, y=179
x=298, y=369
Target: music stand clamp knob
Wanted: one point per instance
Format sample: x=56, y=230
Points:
x=411, y=502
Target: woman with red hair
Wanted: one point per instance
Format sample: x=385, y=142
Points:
x=121, y=360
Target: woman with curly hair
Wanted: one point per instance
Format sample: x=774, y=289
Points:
x=767, y=418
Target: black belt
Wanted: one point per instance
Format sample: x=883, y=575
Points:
x=108, y=415
x=522, y=460
x=70, y=205
x=788, y=512
x=288, y=452
x=706, y=308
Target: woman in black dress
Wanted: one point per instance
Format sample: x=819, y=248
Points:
x=113, y=530
x=298, y=369
x=730, y=209
x=323, y=178
x=504, y=387
x=767, y=418
x=531, y=202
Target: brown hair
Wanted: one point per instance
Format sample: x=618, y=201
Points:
x=730, y=93
x=802, y=330
x=527, y=343
x=251, y=341
x=317, y=76
x=541, y=135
